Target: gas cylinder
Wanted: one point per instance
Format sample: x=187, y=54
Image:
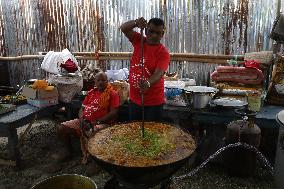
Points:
x=240, y=161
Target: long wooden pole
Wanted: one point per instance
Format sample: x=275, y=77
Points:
x=142, y=79
x=187, y=57
x=216, y=56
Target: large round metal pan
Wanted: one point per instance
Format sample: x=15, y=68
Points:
x=143, y=176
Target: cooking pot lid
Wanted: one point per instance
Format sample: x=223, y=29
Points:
x=280, y=117
x=200, y=89
x=229, y=102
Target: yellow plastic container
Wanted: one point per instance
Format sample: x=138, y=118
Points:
x=254, y=100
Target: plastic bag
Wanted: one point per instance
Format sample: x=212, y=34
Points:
x=66, y=54
x=121, y=74
x=52, y=61
x=109, y=74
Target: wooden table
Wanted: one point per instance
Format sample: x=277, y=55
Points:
x=9, y=122
x=266, y=118
x=213, y=115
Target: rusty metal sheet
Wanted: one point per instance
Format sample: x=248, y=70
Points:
x=205, y=27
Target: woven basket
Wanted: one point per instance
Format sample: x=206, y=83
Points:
x=274, y=98
x=122, y=87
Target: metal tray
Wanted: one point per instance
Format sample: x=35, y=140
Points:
x=229, y=102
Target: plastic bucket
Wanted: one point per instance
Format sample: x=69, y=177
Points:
x=66, y=181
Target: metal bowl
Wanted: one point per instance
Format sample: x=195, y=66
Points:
x=66, y=181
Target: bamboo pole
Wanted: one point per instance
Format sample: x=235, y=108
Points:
x=98, y=53
x=187, y=55
x=203, y=60
x=23, y=57
x=207, y=56
x=199, y=60
x=181, y=57
x=190, y=57
x=102, y=58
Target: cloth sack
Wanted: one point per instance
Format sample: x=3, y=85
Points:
x=67, y=86
x=122, y=88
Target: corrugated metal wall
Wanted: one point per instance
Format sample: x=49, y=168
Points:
x=197, y=26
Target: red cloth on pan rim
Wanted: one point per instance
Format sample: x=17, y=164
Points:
x=69, y=66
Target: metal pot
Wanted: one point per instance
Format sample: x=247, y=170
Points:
x=199, y=96
x=197, y=100
x=66, y=181
x=200, y=100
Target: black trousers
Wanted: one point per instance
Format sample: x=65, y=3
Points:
x=151, y=113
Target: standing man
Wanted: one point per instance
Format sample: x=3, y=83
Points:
x=156, y=61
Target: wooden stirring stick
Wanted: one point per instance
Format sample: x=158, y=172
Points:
x=142, y=80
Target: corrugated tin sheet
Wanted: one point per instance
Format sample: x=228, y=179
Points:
x=197, y=26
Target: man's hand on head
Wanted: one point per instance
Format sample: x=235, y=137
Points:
x=141, y=23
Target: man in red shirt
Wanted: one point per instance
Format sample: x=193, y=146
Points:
x=99, y=109
x=156, y=61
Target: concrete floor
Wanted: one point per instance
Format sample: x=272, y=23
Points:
x=42, y=141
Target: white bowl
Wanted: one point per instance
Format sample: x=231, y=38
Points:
x=201, y=89
x=188, y=82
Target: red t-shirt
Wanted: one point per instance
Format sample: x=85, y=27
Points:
x=91, y=102
x=155, y=56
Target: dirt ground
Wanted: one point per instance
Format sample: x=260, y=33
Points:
x=41, y=142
